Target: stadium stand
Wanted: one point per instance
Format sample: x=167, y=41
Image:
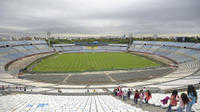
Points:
x=12, y=50
x=103, y=48
x=185, y=55
x=180, y=53
x=47, y=103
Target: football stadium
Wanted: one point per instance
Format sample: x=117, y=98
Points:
x=99, y=56
x=89, y=73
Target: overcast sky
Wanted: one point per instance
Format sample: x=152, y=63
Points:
x=100, y=16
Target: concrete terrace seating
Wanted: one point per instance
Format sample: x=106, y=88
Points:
x=22, y=63
x=47, y=103
x=77, y=91
x=184, y=71
x=6, y=84
x=181, y=82
x=16, y=88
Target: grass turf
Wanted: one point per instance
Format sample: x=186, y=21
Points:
x=81, y=62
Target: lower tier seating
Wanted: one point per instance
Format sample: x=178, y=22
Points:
x=47, y=103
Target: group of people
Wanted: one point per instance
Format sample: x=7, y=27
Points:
x=8, y=88
x=2, y=87
x=123, y=94
x=186, y=100
x=143, y=95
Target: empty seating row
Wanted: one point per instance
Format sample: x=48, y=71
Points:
x=174, y=44
x=180, y=52
x=73, y=48
x=50, y=103
x=24, y=42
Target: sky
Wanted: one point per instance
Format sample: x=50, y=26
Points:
x=100, y=16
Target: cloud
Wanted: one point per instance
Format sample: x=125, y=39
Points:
x=100, y=16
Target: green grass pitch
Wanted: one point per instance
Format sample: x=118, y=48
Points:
x=81, y=62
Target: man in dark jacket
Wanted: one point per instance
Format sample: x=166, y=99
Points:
x=129, y=93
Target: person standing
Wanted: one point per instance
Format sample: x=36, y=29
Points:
x=148, y=96
x=3, y=87
x=141, y=96
x=192, y=95
x=173, y=100
x=25, y=88
x=94, y=91
x=144, y=89
x=136, y=96
x=184, y=100
x=115, y=92
x=129, y=93
x=120, y=93
x=125, y=95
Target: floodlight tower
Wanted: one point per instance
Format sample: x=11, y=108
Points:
x=49, y=35
x=123, y=36
x=130, y=40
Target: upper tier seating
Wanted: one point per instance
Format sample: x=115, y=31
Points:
x=11, y=50
x=179, y=52
x=74, y=48
x=186, y=55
